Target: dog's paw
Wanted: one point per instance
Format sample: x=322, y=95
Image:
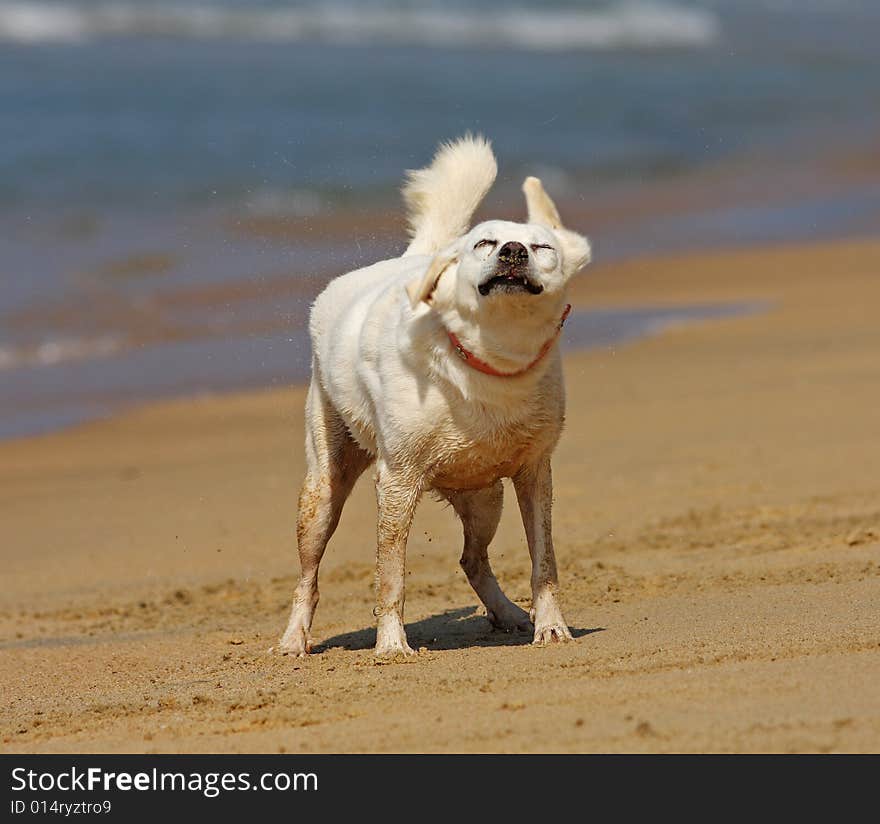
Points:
x=509, y=618
x=393, y=650
x=550, y=633
x=550, y=626
x=295, y=642
x=391, y=638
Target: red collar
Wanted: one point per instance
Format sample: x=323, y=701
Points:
x=481, y=366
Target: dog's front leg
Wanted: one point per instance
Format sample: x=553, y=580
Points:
x=534, y=492
x=397, y=493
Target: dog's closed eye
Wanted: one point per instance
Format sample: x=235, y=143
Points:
x=484, y=248
x=545, y=255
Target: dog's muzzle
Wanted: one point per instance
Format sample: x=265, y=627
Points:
x=513, y=254
x=511, y=272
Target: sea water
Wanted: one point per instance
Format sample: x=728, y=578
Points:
x=140, y=139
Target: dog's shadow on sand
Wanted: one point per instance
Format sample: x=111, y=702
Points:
x=453, y=629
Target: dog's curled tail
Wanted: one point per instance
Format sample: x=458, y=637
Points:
x=441, y=198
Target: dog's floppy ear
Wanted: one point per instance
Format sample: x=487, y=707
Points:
x=420, y=289
x=543, y=211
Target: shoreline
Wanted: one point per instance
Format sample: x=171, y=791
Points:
x=216, y=301
x=286, y=362
x=717, y=522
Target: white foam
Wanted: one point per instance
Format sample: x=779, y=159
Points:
x=59, y=350
x=626, y=24
x=276, y=202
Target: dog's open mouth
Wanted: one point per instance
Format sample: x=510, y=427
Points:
x=510, y=281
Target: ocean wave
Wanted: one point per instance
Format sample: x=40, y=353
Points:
x=277, y=202
x=61, y=350
x=649, y=24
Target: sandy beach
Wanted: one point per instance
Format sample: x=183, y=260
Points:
x=717, y=523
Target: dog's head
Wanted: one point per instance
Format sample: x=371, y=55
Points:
x=502, y=265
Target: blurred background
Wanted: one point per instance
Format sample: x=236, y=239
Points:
x=179, y=179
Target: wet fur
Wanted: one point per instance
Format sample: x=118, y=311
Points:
x=387, y=389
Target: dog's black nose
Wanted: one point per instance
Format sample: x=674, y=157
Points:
x=513, y=253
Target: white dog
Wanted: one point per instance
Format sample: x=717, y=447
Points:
x=442, y=367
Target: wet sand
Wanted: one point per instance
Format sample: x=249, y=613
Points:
x=717, y=525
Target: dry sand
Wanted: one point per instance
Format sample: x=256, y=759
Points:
x=718, y=530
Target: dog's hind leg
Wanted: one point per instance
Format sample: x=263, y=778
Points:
x=333, y=463
x=480, y=512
